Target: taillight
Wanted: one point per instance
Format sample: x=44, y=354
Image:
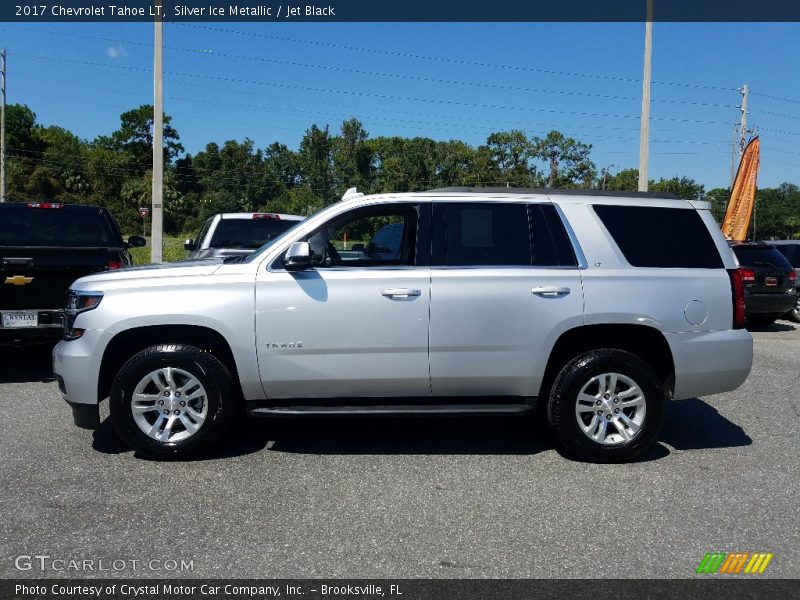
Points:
x=267, y=216
x=793, y=276
x=748, y=276
x=115, y=264
x=45, y=205
x=737, y=295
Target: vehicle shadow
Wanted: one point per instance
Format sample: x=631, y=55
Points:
x=409, y=435
x=27, y=364
x=776, y=326
x=693, y=424
x=688, y=425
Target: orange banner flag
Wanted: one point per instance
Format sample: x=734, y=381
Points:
x=743, y=194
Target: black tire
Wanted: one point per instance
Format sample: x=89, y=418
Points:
x=212, y=374
x=561, y=407
x=794, y=314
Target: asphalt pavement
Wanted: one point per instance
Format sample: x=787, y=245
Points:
x=403, y=498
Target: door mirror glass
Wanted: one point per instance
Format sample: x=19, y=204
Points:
x=298, y=256
x=189, y=244
x=137, y=241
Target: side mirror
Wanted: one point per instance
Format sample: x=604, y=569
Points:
x=137, y=241
x=297, y=257
x=189, y=244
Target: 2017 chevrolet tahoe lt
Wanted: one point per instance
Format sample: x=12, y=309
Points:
x=598, y=307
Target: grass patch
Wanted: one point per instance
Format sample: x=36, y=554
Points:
x=173, y=251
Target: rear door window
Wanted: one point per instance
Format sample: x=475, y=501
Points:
x=483, y=234
x=660, y=237
x=500, y=234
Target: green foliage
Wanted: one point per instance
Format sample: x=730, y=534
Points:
x=172, y=251
x=116, y=171
x=567, y=160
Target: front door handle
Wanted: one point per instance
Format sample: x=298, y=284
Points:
x=550, y=292
x=400, y=293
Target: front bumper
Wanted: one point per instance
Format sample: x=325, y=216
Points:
x=77, y=371
x=710, y=362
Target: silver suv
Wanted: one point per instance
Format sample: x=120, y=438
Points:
x=596, y=307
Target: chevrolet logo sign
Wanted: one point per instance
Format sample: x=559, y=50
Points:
x=18, y=280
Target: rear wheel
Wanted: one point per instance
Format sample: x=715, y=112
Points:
x=606, y=406
x=794, y=314
x=172, y=401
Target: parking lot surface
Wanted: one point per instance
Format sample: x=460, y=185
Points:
x=406, y=497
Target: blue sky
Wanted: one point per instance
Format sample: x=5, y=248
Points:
x=271, y=81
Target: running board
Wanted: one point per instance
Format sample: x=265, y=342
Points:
x=391, y=410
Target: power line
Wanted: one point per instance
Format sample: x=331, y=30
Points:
x=780, y=99
x=452, y=60
x=507, y=124
x=374, y=95
x=398, y=75
x=455, y=128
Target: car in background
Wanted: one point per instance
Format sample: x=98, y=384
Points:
x=238, y=234
x=44, y=247
x=769, y=281
x=791, y=250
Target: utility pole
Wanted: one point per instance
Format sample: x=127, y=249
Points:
x=733, y=154
x=743, y=125
x=644, y=136
x=3, y=129
x=157, y=222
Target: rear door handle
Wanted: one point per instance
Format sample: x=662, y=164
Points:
x=550, y=292
x=400, y=293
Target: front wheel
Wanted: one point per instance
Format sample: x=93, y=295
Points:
x=606, y=406
x=172, y=401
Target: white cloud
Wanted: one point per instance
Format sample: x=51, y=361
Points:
x=116, y=52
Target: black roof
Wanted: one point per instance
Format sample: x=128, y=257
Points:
x=555, y=192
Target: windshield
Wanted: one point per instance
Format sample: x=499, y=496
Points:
x=55, y=227
x=248, y=233
x=274, y=240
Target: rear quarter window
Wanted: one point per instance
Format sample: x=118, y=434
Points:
x=660, y=237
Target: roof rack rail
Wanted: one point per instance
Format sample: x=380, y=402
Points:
x=556, y=192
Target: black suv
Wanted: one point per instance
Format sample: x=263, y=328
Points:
x=791, y=250
x=44, y=247
x=769, y=282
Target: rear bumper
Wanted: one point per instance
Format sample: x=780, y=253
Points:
x=710, y=362
x=769, y=305
x=49, y=329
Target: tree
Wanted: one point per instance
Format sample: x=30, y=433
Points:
x=512, y=153
x=567, y=160
x=353, y=159
x=316, y=162
x=135, y=137
x=682, y=187
x=626, y=180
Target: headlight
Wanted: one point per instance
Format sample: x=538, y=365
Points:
x=77, y=303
